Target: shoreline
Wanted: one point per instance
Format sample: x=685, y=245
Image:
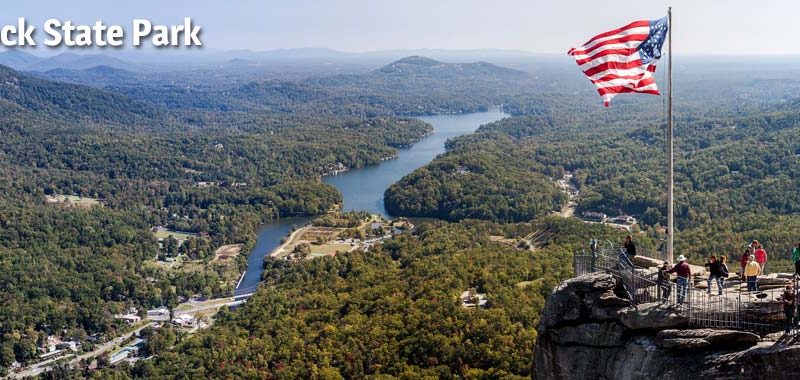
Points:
x=289, y=239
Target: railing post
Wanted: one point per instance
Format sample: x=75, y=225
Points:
x=633, y=280
x=575, y=264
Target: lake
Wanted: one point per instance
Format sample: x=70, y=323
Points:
x=363, y=188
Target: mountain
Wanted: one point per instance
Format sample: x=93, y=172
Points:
x=42, y=99
x=98, y=76
x=422, y=66
x=18, y=59
x=77, y=62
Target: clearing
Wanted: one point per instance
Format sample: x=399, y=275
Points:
x=227, y=253
x=320, y=239
x=163, y=233
x=72, y=200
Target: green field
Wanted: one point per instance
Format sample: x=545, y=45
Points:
x=180, y=235
x=321, y=250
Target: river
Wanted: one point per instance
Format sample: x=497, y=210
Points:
x=363, y=188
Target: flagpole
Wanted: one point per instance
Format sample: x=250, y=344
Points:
x=670, y=156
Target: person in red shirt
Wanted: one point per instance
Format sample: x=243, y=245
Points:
x=761, y=258
x=743, y=260
x=684, y=273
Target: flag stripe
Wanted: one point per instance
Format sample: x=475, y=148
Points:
x=613, y=63
x=603, y=53
x=631, y=38
x=635, y=24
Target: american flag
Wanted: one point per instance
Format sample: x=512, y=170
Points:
x=623, y=60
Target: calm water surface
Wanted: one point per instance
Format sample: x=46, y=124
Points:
x=363, y=188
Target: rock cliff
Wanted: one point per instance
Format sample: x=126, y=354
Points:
x=589, y=331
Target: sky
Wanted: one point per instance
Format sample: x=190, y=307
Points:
x=732, y=27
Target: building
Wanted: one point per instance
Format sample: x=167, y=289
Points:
x=160, y=314
x=130, y=319
x=471, y=298
x=623, y=219
x=184, y=320
x=131, y=350
x=592, y=216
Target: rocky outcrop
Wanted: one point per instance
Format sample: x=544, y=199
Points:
x=653, y=316
x=588, y=330
x=705, y=339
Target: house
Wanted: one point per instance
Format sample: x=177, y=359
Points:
x=160, y=314
x=592, y=216
x=130, y=319
x=51, y=345
x=184, y=320
x=623, y=219
x=471, y=298
x=131, y=350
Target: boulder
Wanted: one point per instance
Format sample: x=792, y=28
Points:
x=773, y=281
x=582, y=299
x=654, y=316
x=685, y=344
x=698, y=270
x=699, y=339
x=646, y=262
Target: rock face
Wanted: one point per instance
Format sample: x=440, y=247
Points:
x=589, y=331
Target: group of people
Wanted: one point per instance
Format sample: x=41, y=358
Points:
x=753, y=264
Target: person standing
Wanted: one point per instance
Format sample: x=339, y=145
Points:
x=796, y=259
x=761, y=258
x=684, y=273
x=664, y=283
x=751, y=272
x=714, y=273
x=743, y=261
x=723, y=268
x=630, y=247
x=789, y=299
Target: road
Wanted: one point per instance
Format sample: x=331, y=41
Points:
x=190, y=307
x=41, y=367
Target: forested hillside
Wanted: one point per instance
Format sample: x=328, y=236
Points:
x=410, y=86
x=740, y=172
x=393, y=312
x=128, y=167
x=88, y=175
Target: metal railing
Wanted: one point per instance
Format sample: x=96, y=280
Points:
x=761, y=311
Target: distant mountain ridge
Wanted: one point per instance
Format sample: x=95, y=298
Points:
x=422, y=65
x=20, y=60
x=42, y=99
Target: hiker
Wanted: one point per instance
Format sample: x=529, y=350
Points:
x=684, y=273
x=664, y=283
x=723, y=269
x=751, y=273
x=796, y=259
x=789, y=299
x=743, y=261
x=630, y=247
x=753, y=246
x=761, y=258
x=714, y=273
